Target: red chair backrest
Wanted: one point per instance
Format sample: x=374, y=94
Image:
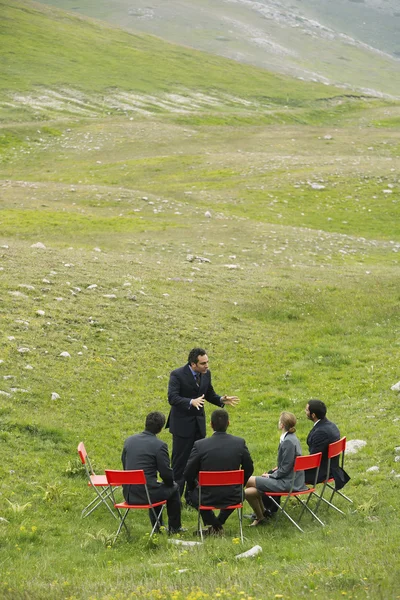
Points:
x=312, y=461
x=221, y=477
x=82, y=452
x=116, y=478
x=337, y=448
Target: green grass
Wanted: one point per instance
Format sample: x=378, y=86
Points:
x=311, y=310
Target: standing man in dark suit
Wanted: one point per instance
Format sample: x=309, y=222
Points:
x=188, y=388
x=323, y=433
x=145, y=451
x=220, y=452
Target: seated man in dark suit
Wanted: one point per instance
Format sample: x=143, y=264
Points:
x=323, y=433
x=220, y=452
x=145, y=451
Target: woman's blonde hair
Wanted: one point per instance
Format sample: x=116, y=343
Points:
x=288, y=421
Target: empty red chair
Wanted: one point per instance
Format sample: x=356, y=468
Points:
x=98, y=483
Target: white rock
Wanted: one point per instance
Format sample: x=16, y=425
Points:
x=23, y=350
x=11, y=338
x=353, y=446
x=317, y=186
x=252, y=552
x=46, y=280
x=374, y=469
x=29, y=367
x=18, y=294
x=186, y=543
x=40, y=313
x=208, y=214
x=397, y=459
x=55, y=396
x=39, y=245
x=92, y=287
x=26, y=286
x=396, y=387
x=6, y=394
x=231, y=266
x=327, y=137
x=397, y=449
x=65, y=354
x=80, y=353
x=19, y=390
x=5, y=246
x=97, y=249
x=110, y=296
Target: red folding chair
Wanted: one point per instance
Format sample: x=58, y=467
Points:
x=116, y=478
x=302, y=463
x=335, y=449
x=222, y=478
x=98, y=483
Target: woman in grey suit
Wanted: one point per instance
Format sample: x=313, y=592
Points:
x=280, y=478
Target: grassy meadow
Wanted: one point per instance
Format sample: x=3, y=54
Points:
x=291, y=285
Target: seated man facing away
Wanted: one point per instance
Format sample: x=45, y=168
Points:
x=220, y=452
x=145, y=451
x=323, y=433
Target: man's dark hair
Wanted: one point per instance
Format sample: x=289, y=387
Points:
x=194, y=354
x=220, y=420
x=155, y=421
x=318, y=408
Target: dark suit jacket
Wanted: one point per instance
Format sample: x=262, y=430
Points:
x=184, y=420
x=220, y=452
x=321, y=435
x=145, y=451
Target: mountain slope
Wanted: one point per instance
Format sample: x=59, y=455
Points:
x=344, y=42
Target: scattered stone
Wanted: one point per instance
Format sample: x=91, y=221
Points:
x=252, y=552
x=23, y=350
x=110, y=296
x=353, y=446
x=97, y=249
x=15, y=390
x=207, y=214
x=374, y=469
x=397, y=450
x=59, y=299
x=46, y=280
x=18, y=294
x=39, y=245
x=29, y=367
x=5, y=246
x=327, y=137
x=397, y=459
x=40, y=313
x=6, y=394
x=55, y=396
x=186, y=543
x=26, y=286
x=231, y=266
x=11, y=338
x=396, y=387
x=201, y=259
x=93, y=286
x=316, y=186
x=133, y=298
x=65, y=354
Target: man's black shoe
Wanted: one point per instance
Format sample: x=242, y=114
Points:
x=172, y=531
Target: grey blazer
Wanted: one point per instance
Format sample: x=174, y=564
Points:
x=281, y=479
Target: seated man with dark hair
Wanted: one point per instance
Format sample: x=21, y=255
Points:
x=145, y=451
x=220, y=452
x=323, y=433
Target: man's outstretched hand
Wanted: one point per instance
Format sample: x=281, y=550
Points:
x=198, y=402
x=230, y=400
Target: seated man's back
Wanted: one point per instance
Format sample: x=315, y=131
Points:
x=220, y=452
